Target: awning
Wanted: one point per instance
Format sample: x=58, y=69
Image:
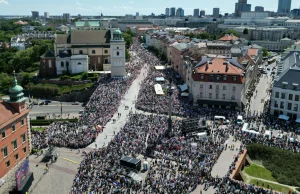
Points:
x=218, y=103
x=158, y=89
x=183, y=87
x=184, y=94
x=298, y=120
x=284, y=117
x=160, y=79
x=160, y=67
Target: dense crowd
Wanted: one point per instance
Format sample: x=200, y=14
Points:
x=103, y=104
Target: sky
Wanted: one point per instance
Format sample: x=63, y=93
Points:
x=122, y=7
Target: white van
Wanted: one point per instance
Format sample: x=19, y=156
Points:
x=202, y=135
x=240, y=120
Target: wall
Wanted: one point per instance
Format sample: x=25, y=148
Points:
x=79, y=96
x=76, y=68
x=45, y=70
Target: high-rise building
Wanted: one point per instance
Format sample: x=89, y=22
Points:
x=46, y=15
x=66, y=16
x=167, y=12
x=196, y=12
x=172, y=11
x=284, y=6
x=259, y=9
x=35, y=15
x=295, y=12
x=241, y=6
x=179, y=12
x=15, y=141
x=216, y=12
x=202, y=13
x=137, y=14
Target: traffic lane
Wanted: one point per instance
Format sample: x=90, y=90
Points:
x=55, y=109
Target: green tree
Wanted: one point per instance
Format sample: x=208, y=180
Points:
x=128, y=39
x=265, y=52
x=5, y=82
x=127, y=55
x=245, y=31
x=205, y=35
x=233, y=32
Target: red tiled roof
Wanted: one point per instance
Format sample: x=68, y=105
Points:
x=228, y=37
x=217, y=66
x=7, y=112
x=252, y=51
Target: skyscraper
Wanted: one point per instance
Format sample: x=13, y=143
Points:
x=216, y=12
x=284, y=6
x=137, y=14
x=259, y=9
x=66, y=16
x=241, y=6
x=35, y=15
x=167, y=12
x=46, y=15
x=179, y=12
x=202, y=13
x=196, y=12
x=172, y=11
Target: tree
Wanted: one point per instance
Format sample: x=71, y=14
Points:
x=265, y=52
x=245, y=31
x=205, y=35
x=128, y=39
x=127, y=55
x=233, y=32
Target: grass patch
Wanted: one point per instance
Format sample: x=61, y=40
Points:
x=259, y=172
x=38, y=129
x=66, y=89
x=271, y=185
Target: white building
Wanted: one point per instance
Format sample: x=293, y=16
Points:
x=27, y=28
x=285, y=99
x=46, y=15
x=117, y=56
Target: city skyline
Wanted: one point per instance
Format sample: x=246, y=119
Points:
x=118, y=7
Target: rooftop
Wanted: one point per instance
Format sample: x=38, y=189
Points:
x=229, y=37
x=7, y=112
x=252, y=52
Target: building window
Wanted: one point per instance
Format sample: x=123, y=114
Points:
x=210, y=95
x=50, y=63
x=225, y=78
x=201, y=76
x=295, y=107
x=16, y=156
x=218, y=78
x=224, y=87
x=217, y=96
x=62, y=64
x=233, y=88
x=22, y=122
x=234, y=78
x=3, y=134
x=105, y=51
x=224, y=96
x=217, y=87
x=232, y=97
x=93, y=52
x=13, y=127
x=276, y=94
x=117, y=47
x=282, y=95
x=201, y=95
x=78, y=63
x=282, y=105
x=99, y=60
x=5, y=151
x=80, y=52
x=275, y=104
x=7, y=164
x=15, y=144
x=210, y=86
x=201, y=86
x=296, y=97
x=290, y=96
x=67, y=63
x=24, y=150
x=106, y=61
x=23, y=137
x=289, y=106
x=118, y=53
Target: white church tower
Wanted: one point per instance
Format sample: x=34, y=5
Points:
x=117, y=54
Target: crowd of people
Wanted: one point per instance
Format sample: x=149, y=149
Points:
x=103, y=104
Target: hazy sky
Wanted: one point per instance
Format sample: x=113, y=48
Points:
x=122, y=7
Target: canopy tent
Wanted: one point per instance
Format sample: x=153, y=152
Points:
x=183, y=87
x=160, y=79
x=158, y=89
x=184, y=94
x=160, y=67
x=284, y=117
x=298, y=120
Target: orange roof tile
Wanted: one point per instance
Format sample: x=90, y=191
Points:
x=217, y=66
x=228, y=37
x=252, y=51
x=7, y=112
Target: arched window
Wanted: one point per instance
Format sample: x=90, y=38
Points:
x=118, y=53
x=78, y=63
x=62, y=64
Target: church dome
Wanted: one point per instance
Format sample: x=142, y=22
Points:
x=15, y=89
x=117, y=32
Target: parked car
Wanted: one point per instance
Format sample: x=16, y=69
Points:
x=48, y=101
x=75, y=103
x=35, y=103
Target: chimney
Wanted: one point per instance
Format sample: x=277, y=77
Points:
x=227, y=66
x=207, y=65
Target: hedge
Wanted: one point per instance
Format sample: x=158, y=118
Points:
x=48, y=122
x=283, y=164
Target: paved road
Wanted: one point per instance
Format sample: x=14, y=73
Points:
x=221, y=167
x=129, y=100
